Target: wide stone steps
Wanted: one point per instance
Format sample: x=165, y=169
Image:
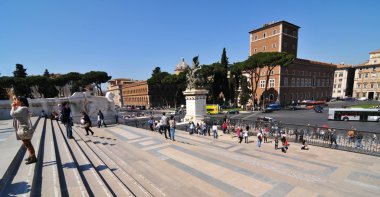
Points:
x=72, y=167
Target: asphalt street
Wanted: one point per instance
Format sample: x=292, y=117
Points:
x=304, y=117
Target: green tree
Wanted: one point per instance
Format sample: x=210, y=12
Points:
x=224, y=79
x=60, y=82
x=20, y=86
x=244, y=94
x=74, y=79
x=271, y=60
x=157, y=76
x=5, y=85
x=97, y=78
x=236, y=75
x=46, y=73
x=253, y=68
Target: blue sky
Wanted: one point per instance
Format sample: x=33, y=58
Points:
x=129, y=38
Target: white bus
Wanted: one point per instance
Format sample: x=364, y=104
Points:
x=358, y=114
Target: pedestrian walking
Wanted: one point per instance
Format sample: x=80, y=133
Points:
x=85, y=120
x=359, y=139
x=192, y=127
x=285, y=143
x=23, y=126
x=151, y=122
x=265, y=134
x=215, y=131
x=333, y=138
x=239, y=134
x=66, y=119
x=172, y=125
x=224, y=127
x=246, y=134
x=164, y=124
x=259, y=139
x=276, y=141
x=101, y=119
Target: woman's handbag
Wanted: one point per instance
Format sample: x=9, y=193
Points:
x=25, y=132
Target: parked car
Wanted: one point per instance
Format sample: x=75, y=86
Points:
x=318, y=109
x=363, y=99
x=233, y=111
x=274, y=106
x=266, y=119
x=267, y=110
x=297, y=107
x=349, y=99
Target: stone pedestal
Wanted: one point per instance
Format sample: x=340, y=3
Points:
x=195, y=104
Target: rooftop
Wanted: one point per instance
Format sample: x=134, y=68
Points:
x=305, y=61
x=378, y=51
x=272, y=24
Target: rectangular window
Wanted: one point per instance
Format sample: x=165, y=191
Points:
x=372, y=85
x=274, y=32
x=272, y=72
x=373, y=75
x=265, y=47
x=358, y=85
x=357, y=95
x=378, y=86
x=302, y=82
x=341, y=74
x=298, y=82
x=286, y=81
x=255, y=50
x=271, y=83
x=366, y=75
x=274, y=45
x=265, y=35
x=256, y=37
x=364, y=85
x=262, y=83
x=359, y=75
x=293, y=82
x=339, y=86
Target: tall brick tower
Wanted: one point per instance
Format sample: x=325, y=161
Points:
x=279, y=36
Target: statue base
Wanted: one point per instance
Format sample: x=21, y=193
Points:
x=195, y=104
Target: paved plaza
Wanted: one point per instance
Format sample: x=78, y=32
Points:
x=126, y=161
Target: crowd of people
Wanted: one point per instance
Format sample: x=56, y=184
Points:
x=166, y=126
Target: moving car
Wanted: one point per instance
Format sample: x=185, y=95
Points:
x=363, y=99
x=266, y=119
x=233, y=111
x=318, y=109
x=274, y=106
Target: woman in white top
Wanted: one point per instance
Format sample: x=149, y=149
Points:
x=245, y=134
x=215, y=130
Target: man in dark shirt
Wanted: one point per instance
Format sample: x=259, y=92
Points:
x=66, y=119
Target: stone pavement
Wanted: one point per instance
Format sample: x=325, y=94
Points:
x=126, y=161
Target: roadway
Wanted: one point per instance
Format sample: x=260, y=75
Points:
x=305, y=117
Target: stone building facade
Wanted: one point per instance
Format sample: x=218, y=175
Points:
x=343, y=81
x=115, y=86
x=301, y=80
x=143, y=94
x=367, y=78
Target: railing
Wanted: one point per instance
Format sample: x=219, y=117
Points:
x=364, y=142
